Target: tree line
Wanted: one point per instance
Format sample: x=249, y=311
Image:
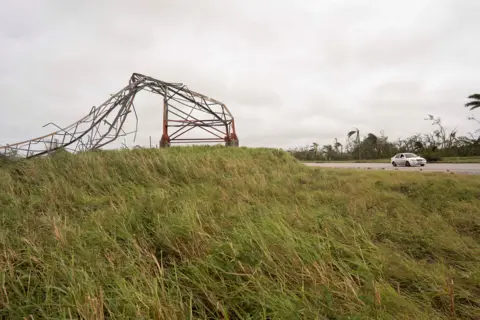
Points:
x=434, y=145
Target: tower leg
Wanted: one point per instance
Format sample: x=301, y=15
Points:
x=232, y=139
x=165, y=140
x=232, y=143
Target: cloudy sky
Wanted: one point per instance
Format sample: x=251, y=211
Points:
x=291, y=72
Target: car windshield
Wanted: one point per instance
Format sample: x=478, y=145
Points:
x=410, y=155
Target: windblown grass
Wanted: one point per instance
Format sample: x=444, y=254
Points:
x=196, y=233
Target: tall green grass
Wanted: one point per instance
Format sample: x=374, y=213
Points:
x=233, y=233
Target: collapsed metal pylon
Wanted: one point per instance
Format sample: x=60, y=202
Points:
x=183, y=109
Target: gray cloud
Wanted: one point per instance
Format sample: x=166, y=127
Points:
x=291, y=72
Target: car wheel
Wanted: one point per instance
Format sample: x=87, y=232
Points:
x=394, y=164
x=407, y=164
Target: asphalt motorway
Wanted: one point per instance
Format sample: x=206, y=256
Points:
x=465, y=168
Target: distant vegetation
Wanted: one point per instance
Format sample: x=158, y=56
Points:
x=233, y=233
x=434, y=146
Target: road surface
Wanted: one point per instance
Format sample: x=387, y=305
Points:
x=466, y=168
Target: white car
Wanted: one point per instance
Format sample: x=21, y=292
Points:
x=408, y=160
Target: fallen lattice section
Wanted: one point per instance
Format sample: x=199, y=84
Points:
x=184, y=111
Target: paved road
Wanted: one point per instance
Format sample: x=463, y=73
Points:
x=468, y=168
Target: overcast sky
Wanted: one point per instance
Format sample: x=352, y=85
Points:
x=292, y=72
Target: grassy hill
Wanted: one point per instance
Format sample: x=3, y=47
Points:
x=192, y=233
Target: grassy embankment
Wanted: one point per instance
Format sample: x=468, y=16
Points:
x=197, y=232
x=472, y=159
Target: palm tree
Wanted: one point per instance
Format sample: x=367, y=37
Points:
x=327, y=150
x=475, y=103
x=355, y=132
x=372, y=138
x=315, y=149
x=337, y=145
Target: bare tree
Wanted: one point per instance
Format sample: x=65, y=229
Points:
x=446, y=139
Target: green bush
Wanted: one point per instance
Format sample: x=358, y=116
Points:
x=432, y=157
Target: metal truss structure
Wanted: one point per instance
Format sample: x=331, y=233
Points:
x=183, y=111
